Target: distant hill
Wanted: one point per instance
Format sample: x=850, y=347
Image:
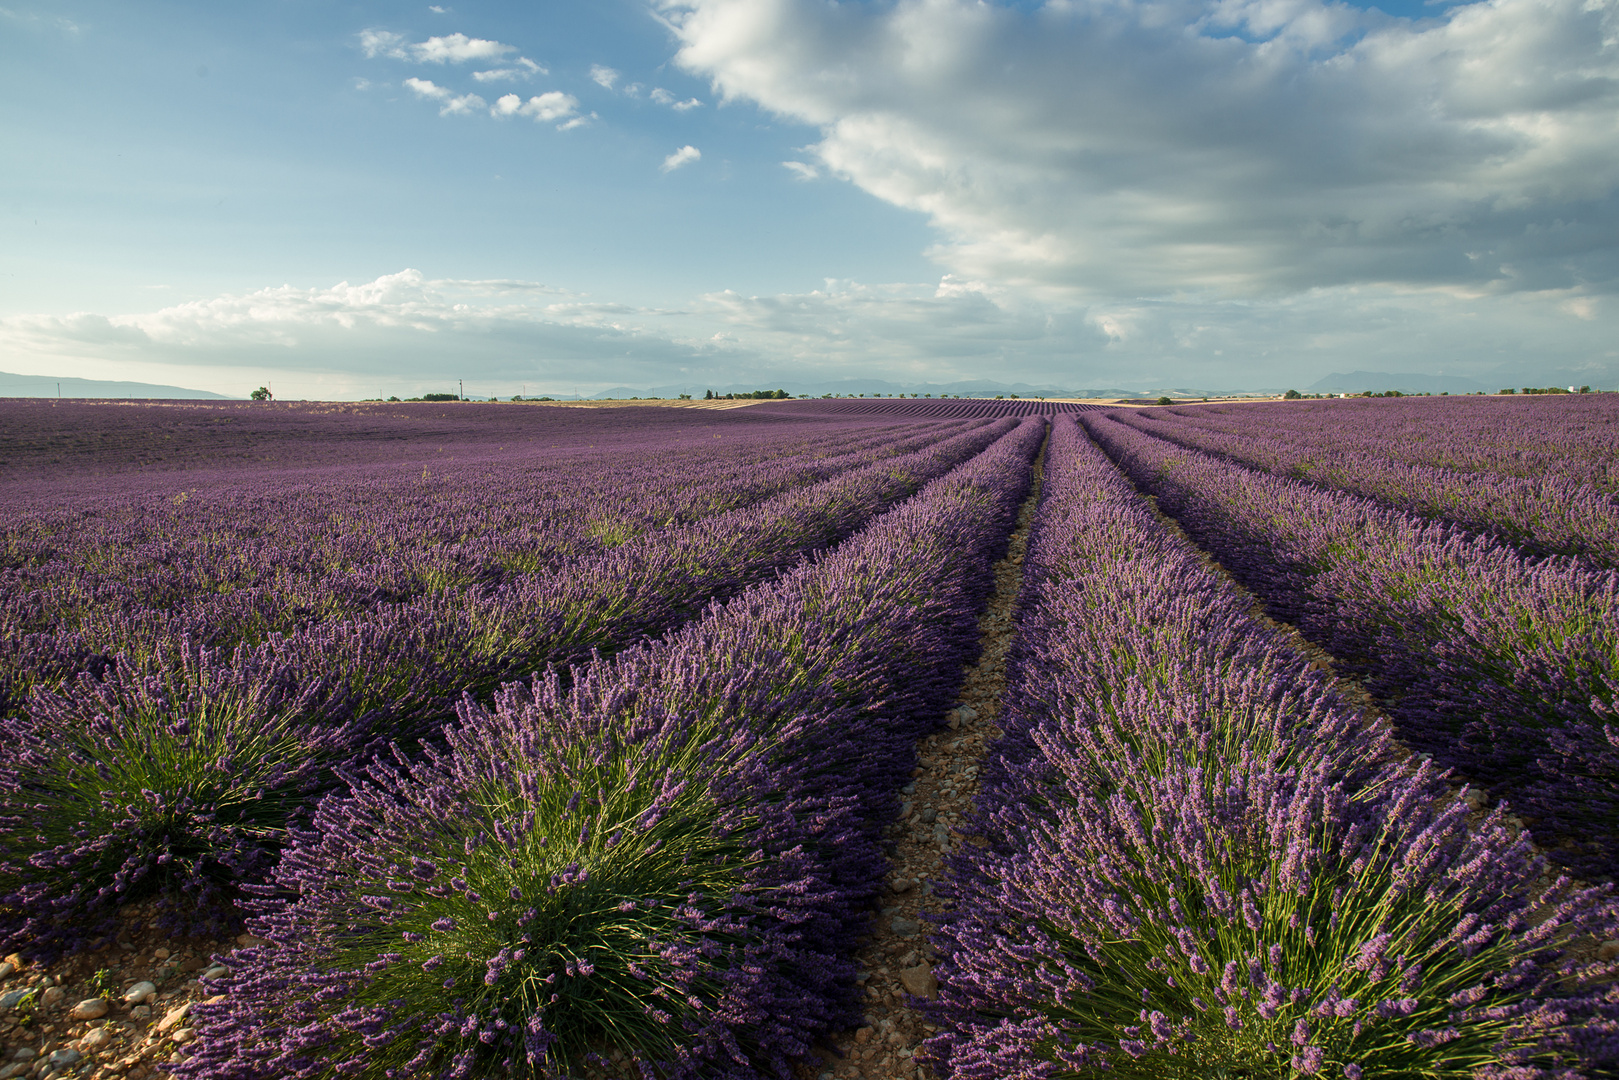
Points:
x=850, y=387
x=47, y=386
x=1356, y=381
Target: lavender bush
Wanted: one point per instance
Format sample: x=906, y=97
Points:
x=177, y=783
x=1200, y=861
x=1246, y=921
x=538, y=897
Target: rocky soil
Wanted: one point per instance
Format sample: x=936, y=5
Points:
x=118, y=1012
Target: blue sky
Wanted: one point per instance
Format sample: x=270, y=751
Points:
x=349, y=199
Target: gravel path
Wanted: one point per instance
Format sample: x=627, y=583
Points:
x=897, y=962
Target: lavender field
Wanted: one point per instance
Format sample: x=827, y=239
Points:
x=455, y=740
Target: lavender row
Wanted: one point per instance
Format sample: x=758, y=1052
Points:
x=478, y=636
x=1199, y=860
x=1503, y=667
x=955, y=408
x=119, y=777
x=1544, y=513
x=299, y=549
x=667, y=860
x=58, y=448
x=1573, y=438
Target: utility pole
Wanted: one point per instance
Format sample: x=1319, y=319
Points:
x=59, y=391
x=462, y=384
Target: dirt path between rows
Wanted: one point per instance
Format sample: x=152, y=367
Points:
x=897, y=961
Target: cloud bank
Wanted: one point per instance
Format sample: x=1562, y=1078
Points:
x=405, y=332
x=402, y=331
x=1227, y=148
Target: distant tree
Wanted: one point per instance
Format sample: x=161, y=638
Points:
x=709, y=396
x=1166, y=401
x=1292, y=395
x=1508, y=390
x=1585, y=389
x=261, y=394
x=685, y=397
x=441, y=397
x=395, y=397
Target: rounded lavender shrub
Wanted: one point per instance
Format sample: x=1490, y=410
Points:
x=1241, y=920
x=543, y=897
x=178, y=783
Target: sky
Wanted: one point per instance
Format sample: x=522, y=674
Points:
x=349, y=200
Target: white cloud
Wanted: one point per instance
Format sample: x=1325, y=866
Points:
x=453, y=103
x=376, y=43
x=458, y=48
x=448, y=49
x=801, y=171
x=684, y=156
x=1210, y=148
x=552, y=105
x=437, y=10
x=604, y=76
x=576, y=122
x=524, y=69
x=664, y=97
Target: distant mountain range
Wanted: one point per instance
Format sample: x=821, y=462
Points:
x=968, y=388
x=1357, y=381
x=34, y=386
